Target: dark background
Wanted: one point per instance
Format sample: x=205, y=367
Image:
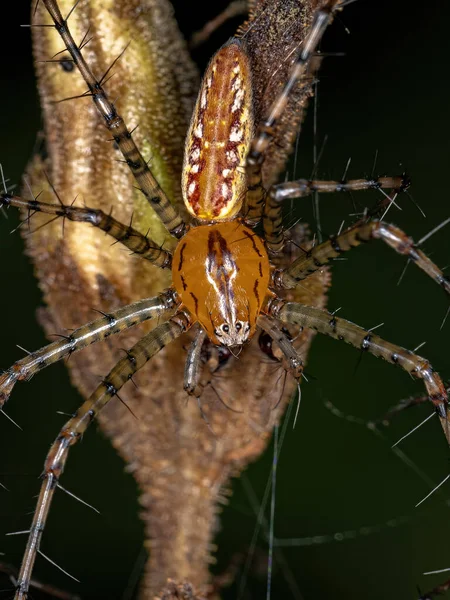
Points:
x=390, y=92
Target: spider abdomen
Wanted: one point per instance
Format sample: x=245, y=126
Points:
x=221, y=274
x=214, y=182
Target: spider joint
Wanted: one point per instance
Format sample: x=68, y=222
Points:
x=183, y=319
x=273, y=306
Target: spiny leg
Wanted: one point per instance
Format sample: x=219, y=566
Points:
x=121, y=135
x=47, y=589
x=72, y=431
x=317, y=257
x=340, y=329
x=93, y=332
x=125, y=234
x=255, y=196
x=272, y=217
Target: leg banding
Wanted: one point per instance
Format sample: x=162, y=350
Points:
x=121, y=135
x=340, y=329
x=320, y=255
x=93, y=332
x=254, y=201
x=301, y=188
x=73, y=430
x=125, y=234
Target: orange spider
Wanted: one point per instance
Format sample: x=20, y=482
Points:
x=223, y=276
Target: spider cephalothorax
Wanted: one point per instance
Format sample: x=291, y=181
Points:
x=221, y=274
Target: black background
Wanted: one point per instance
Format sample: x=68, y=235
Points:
x=390, y=92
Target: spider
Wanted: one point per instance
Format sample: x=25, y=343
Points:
x=215, y=331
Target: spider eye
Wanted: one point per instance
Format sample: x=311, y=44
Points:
x=238, y=326
x=226, y=328
x=218, y=332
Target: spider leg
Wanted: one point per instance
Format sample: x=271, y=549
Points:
x=48, y=589
x=272, y=217
x=294, y=362
x=199, y=374
x=234, y=9
x=439, y=590
x=255, y=196
x=93, y=332
x=341, y=329
x=320, y=255
x=74, y=428
x=407, y=403
x=121, y=135
x=126, y=235
x=193, y=366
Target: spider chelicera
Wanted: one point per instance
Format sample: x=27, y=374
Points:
x=225, y=276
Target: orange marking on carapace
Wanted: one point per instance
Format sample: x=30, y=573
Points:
x=214, y=181
x=221, y=273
